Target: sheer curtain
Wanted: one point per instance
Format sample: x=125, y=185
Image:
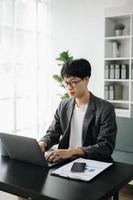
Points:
x=24, y=66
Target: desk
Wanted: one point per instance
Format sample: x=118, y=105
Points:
x=27, y=180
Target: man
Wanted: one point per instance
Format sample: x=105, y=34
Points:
x=84, y=125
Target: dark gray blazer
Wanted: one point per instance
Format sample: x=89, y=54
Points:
x=98, y=132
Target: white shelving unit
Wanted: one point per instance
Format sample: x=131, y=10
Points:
x=118, y=61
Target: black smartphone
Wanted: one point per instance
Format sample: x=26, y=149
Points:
x=78, y=167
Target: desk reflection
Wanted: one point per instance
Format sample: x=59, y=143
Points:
x=24, y=175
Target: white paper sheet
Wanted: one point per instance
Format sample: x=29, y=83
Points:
x=92, y=169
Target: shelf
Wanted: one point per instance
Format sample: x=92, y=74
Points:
x=118, y=61
x=119, y=101
x=114, y=21
x=117, y=80
x=118, y=37
x=118, y=58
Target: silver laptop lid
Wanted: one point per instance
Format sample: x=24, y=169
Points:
x=23, y=148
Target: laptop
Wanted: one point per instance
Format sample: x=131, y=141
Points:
x=25, y=149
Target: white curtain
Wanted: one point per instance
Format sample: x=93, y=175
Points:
x=25, y=67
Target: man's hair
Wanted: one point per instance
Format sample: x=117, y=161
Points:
x=77, y=68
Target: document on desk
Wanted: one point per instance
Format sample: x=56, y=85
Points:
x=92, y=169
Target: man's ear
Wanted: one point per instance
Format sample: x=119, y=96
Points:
x=87, y=79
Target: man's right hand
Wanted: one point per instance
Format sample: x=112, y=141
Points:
x=43, y=145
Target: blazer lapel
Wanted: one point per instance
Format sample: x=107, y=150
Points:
x=70, y=112
x=64, y=143
x=89, y=115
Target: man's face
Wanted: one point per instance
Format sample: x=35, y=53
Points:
x=75, y=86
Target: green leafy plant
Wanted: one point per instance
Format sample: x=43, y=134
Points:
x=63, y=58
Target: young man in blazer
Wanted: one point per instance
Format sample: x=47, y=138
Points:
x=84, y=125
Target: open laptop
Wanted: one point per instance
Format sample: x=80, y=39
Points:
x=25, y=149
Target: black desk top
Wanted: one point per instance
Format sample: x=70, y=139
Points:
x=27, y=180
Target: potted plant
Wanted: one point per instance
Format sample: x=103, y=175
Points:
x=63, y=58
x=119, y=29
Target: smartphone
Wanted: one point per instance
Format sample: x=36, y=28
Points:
x=78, y=167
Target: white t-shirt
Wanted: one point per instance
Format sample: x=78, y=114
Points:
x=76, y=126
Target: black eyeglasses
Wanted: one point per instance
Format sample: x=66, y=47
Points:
x=72, y=84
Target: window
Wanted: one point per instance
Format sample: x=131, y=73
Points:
x=22, y=38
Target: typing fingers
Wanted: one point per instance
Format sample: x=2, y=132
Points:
x=53, y=156
x=50, y=156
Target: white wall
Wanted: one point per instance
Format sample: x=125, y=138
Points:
x=78, y=26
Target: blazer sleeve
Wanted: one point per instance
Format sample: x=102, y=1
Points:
x=105, y=143
x=54, y=131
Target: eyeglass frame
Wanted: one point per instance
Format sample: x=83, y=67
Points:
x=65, y=83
